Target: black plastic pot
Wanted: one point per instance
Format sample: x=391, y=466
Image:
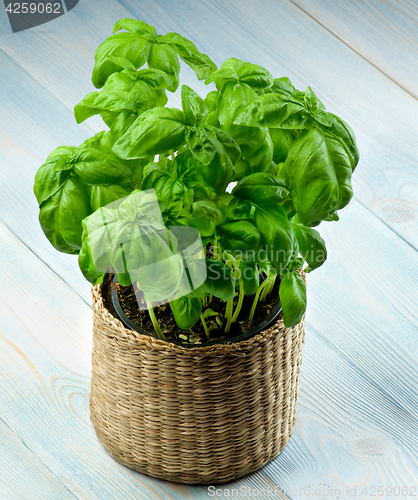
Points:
x=267, y=323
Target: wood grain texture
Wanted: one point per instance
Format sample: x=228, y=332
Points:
x=384, y=32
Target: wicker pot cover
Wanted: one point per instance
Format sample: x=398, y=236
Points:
x=202, y=415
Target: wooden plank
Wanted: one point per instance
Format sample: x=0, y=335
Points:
x=45, y=352
x=23, y=475
x=384, y=33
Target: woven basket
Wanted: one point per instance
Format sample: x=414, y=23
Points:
x=203, y=415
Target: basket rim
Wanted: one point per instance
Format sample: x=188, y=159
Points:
x=119, y=331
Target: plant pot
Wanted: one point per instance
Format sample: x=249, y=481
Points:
x=200, y=415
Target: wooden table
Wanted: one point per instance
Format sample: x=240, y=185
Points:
x=357, y=424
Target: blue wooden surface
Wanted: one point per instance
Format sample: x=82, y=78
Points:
x=357, y=423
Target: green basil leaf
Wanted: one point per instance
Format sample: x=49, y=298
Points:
x=155, y=131
x=48, y=180
x=60, y=216
x=155, y=78
x=164, y=58
x=273, y=224
x=189, y=171
x=173, y=195
x=345, y=135
x=238, y=210
x=250, y=276
x=95, y=102
x=312, y=102
x=239, y=237
x=86, y=264
x=255, y=76
x=311, y=245
x=233, y=98
x=319, y=170
x=261, y=159
x=103, y=195
x=293, y=298
x=202, y=143
x=187, y=50
x=124, y=64
x=186, y=311
x=220, y=281
x=284, y=87
x=135, y=26
x=207, y=217
x=121, y=123
x=95, y=167
x=193, y=106
x=130, y=46
x=272, y=110
x=282, y=141
x=261, y=189
x=230, y=145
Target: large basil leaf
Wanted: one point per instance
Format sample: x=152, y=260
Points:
x=155, y=131
x=60, y=216
x=261, y=189
x=319, y=170
x=273, y=224
x=95, y=167
x=239, y=237
x=345, y=135
x=273, y=110
x=186, y=311
x=293, y=298
x=311, y=246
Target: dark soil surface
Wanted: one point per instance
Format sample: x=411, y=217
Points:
x=128, y=297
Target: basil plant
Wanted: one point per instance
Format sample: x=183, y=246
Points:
x=288, y=159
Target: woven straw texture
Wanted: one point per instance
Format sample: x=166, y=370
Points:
x=203, y=415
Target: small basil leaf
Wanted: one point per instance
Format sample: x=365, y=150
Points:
x=255, y=76
x=155, y=78
x=207, y=217
x=238, y=210
x=187, y=50
x=135, y=26
x=220, y=281
x=202, y=143
x=193, y=106
x=293, y=298
x=164, y=58
x=250, y=276
x=127, y=45
x=311, y=245
x=273, y=224
x=186, y=311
